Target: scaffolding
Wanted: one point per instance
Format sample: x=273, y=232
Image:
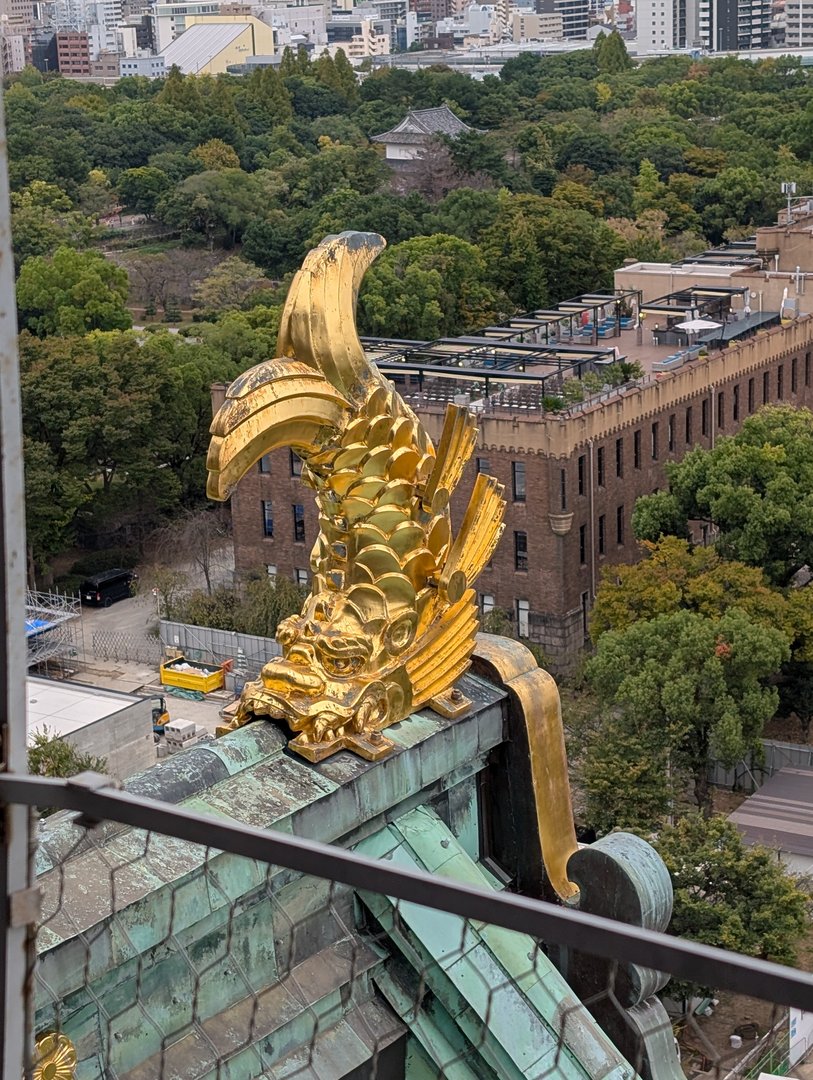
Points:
x=53, y=629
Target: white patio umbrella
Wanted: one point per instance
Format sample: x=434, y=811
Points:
x=694, y=326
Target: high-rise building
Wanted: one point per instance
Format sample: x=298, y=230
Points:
x=734, y=25
x=575, y=15
x=666, y=24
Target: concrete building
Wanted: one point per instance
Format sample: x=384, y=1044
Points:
x=663, y=25
x=149, y=67
x=575, y=15
x=104, y=723
x=529, y=26
x=407, y=140
x=211, y=44
x=73, y=53
x=359, y=37
x=573, y=474
x=729, y=25
x=797, y=23
x=170, y=19
x=13, y=51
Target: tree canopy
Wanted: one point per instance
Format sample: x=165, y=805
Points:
x=755, y=487
x=689, y=688
x=728, y=894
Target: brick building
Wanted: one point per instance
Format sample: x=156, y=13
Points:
x=571, y=476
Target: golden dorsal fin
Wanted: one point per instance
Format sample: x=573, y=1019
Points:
x=457, y=441
x=478, y=535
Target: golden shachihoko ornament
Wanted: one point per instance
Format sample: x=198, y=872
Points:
x=391, y=618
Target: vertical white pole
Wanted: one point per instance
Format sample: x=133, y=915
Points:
x=15, y=842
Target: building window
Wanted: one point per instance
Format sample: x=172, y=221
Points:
x=636, y=449
x=735, y=412
x=807, y=369
x=780, y=382
x=582, y=544
x=750, y=395
x=563, y=488
x=271, y=570
x=520, y=551
x=619, y=525
x=518, y=477
x=794, y=375
x=264, y=464
x=766, y=387
x=721, y=409
x=483, y=465
x=619, y=457
x=670, y=433
x=268, y=518
x=299, y=523
x=602, y=534
x=689, y=426
x=581, y=474
x=301, y=578
x=600, y=466
x=585, y=611
x=523, y=611
x=296, y=464
x=655, y=441
x=704, y=417
x=486, y=604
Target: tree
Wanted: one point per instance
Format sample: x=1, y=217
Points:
x=198, y=537
x=217, y=204
x=612, y=56
x=230, y=284
x=141, y=188
x=626, y=777
x=267, y=88
x=697, y=684
x=50, y=755
x=72, y=292
x=216, y=154
x=42, y=219
x=429, y=287
x=730, y=895
x=674, y=577
x=257, y=607
x=755, y=488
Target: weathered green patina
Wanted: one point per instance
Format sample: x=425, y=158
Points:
x=160, y=958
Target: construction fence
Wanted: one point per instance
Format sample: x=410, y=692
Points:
x=210, y=646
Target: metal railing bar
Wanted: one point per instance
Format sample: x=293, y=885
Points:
x=560, y=925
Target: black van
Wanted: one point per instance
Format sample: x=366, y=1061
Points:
x=104, y=589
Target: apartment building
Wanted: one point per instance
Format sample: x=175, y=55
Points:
x=73, y=53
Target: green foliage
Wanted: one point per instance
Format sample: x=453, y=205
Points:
x=429, y=287
x=115, y=427
x=754, y=487
x=230, y=285
x=730, y=895
x=677, y=577
x=140, y=189
x=72, y=292
x=49, y=755
x=611, y=56
x=257, y=607
x=695, y=684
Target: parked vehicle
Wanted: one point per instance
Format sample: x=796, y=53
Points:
x=104, y=589
x=160, y=714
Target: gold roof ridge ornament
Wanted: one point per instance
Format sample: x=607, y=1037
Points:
x=391, y=618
